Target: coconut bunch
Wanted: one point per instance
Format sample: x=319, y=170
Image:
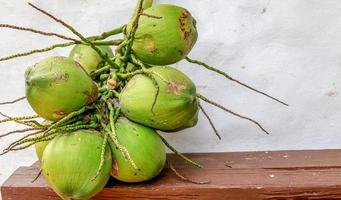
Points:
x=99, y=110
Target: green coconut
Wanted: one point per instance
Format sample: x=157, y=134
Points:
x=88, y=58
x=57, y=86
x=145, y=148
x=166, y=40
x=70, y=162
x=176, y=106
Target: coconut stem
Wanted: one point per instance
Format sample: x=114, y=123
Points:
x=35, y=123
x=30, y=123
x=116, y=94
x=137, y=62
x=178, y=153
x=151, y=16
x=231, y=112
x=107, y=34
x=8, y=118
x=131, y=35
x=136, y=17
x=70, y=116
x=118, y=50
x=158, y=75
x=28, y=138
x=210, y=121
x=104, y=144
x=234, y=80
x=112, y=42
x=18, y=120
x=50, y=131
x=37, y=32
x=146, y=4
x=16, y=143
x=113, y=116
x=99, y=71
x=18, y=131
x=125, y=76
x=36, y=51
x=75, y=127
x=157, y=90
x=183, y=178
x=74, y=31
x=78, y=120
x=13, y=101
x=66, y=128
x=35, y=178
x=106, y=43
x=47, y=138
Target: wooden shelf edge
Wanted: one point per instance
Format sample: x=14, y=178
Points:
x=236, y=175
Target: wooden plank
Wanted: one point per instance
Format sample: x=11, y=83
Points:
x=313, y=174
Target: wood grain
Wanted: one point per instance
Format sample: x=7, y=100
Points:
x=309, y=174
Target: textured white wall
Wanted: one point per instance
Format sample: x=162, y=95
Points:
x=290, y=49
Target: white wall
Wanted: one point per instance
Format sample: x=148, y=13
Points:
x=290, y=49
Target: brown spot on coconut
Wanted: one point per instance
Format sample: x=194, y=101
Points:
x=184, y=26
x=62, y=77
x=176, y=88
x=149, y=44
x=114, y=169
x=59, y=114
